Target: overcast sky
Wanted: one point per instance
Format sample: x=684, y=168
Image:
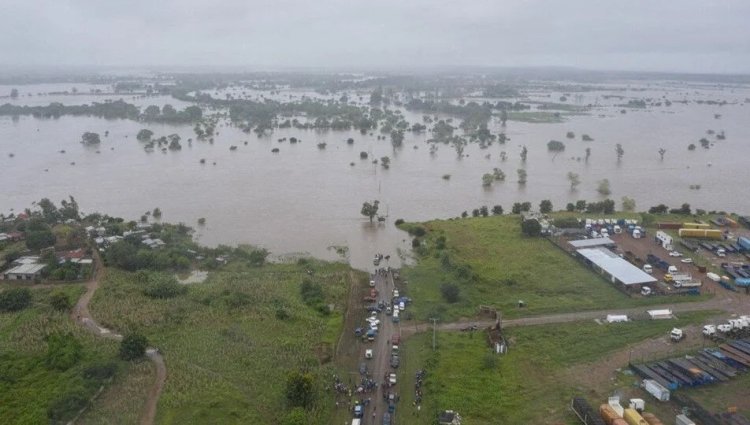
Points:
x=654, y=35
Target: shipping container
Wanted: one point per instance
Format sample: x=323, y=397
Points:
x=696, y=225
x=632, y=417
x=651, y=419
x=608, y=414
x=683, y=420
x=701, y=233
x=656, y=389
x=668, y=225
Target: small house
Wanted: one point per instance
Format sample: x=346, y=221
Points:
x=25, y=268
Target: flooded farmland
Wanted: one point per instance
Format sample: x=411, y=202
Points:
x=306, y=199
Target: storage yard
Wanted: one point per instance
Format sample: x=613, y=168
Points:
x=676, y=259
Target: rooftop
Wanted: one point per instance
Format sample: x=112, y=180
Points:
x=588, y=243
x=617, y=267
x=30, y=268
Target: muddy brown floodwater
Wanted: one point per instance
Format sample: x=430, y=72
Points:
x=306, y=200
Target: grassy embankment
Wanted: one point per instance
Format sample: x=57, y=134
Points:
x=35, y=379
x=505, y=267
x=230, y=341
x=527, y=385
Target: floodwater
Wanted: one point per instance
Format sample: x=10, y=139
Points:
x=306, y=201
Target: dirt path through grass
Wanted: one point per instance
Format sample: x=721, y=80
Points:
x=82, y=316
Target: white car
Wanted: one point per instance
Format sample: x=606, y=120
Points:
x=368, y=353
x=392, y=378
x=687, y=260
x=675, y=254
x=373, y=321
x=374, y=326
x=395, y=293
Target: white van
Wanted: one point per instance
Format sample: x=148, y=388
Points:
x=648, y=269
x=672, y=270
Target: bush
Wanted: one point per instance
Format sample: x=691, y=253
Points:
x=133, y=346
x=399, y=221
x=450, y=292
x=531, y=228
x=66, y=407
x=300, y=389
x=417, y=231
x=63, y=351
x=100, y=371
x=15, y=299
x=312, y=293
x=162, y=287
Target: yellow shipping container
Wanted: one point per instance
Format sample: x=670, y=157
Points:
x=700, y=233
x=632, y=417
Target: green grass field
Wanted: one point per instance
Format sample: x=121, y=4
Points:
x=527, y=385
x=226, y=349
x=29, y=382
x=507, y=267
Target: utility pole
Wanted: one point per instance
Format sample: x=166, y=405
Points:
x=434, y=325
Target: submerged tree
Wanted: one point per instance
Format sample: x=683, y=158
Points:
x=524, y=154
x=603, y=187
x=89, y=138
x=574, y=180
x=620, y=151
x=370, y=210
x=521, y=176
x=487, y=179
x=628, y=204
x=588, y=154
x=662, y=151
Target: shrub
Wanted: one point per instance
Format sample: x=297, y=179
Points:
x=66, y=407
x=399, y=221
x=15, y=299
x=60, y=301
x=160, y=286
x=100, y=371
x=312, y=293
x=417, y=231
x=133, y=346
x=531, y=227
x=63, y=351
x=450, y=292
x=300, y=389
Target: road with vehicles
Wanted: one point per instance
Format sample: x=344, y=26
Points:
x=379, y=366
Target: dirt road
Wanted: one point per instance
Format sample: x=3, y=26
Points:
x=82, y=316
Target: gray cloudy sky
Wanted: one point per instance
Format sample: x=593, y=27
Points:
x=661, y=35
